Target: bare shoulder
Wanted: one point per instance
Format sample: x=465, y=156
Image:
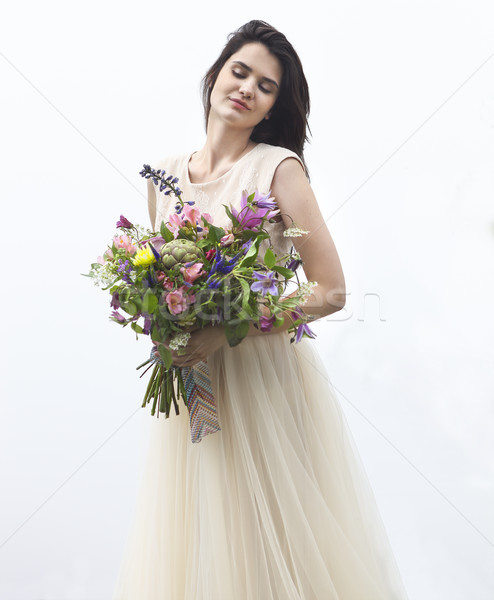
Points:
x=289, y=168
x=293, y=192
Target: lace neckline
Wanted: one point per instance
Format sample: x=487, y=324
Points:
x=187, y=174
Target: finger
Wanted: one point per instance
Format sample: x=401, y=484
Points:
x=188, y=360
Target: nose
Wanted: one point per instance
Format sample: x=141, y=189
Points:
x=246, y=88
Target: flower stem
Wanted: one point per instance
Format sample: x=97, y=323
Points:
x=156, y=392
x=173, y=397
x=164, y=395
x=150, y=386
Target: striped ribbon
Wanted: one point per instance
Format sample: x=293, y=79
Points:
x=203, y=415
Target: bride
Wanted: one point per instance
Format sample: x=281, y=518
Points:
x=275, y=505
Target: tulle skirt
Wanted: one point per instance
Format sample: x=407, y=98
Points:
x=275, y=506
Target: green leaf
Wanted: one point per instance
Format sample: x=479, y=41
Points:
x=137, y=328
x=166, y=355
x=129, y=307
x=138, y=302
x=287, y=273
x=246, y=293
x=236, y=333
x=166, y=234
x=215, y=233
x=278, y=321
x=149, y=302
x=156, y=334
x=251, y=255
x=229, y=213
x=124, y=294
x=269, y=259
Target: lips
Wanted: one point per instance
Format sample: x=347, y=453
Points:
x=240, y=103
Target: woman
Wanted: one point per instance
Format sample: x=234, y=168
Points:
x=276, y=505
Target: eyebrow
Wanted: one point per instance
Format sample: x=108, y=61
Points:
x=247, y=68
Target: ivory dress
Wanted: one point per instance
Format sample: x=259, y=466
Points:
x=276, y=505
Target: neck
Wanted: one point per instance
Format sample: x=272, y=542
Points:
x=224, y=146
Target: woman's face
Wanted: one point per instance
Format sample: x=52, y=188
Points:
x=247, y=87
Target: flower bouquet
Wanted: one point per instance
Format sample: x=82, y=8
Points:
x=192, y=273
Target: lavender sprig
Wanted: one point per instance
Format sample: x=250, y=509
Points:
x=165, y=183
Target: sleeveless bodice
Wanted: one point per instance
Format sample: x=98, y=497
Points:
x=254, y=170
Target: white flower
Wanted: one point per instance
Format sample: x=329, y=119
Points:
x=305, y=290
x=143, y=231
x=179, y=341
x=103, y=276
x=294, y=231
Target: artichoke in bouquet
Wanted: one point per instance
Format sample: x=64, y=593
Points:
x=179, y=252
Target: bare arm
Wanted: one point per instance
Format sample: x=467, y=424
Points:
x=295, y=198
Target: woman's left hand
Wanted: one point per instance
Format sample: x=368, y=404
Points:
x=201, y=343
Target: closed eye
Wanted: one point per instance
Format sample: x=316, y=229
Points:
x=242, y=76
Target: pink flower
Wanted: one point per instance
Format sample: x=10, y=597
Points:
x=192, y=215
x=109, y=254
x=100, y=260
x=228, y=239
x=192, y=273
x=208, y=218
x=165, y=281
x=174, y=223
x=176, y=301
x=167, y=284
x=124, y=242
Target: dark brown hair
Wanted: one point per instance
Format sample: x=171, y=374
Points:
x=287, y=125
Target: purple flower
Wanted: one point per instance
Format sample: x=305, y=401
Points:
x=266, y=283
x=293, y=264
x=213, y=282
x=266, y=323
x=124, y=223
x=265, y=202
x=155, y=252
x=125, y=268
x=302, y=329
x=249, y=218
x=222, y=265
x=156, y=242
x=246, y=246
x=147, y=325
x=116, y=316
x=115, y=301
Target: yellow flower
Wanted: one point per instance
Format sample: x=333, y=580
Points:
x=144, y=257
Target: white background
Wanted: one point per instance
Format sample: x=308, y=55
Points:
x=401, y=161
